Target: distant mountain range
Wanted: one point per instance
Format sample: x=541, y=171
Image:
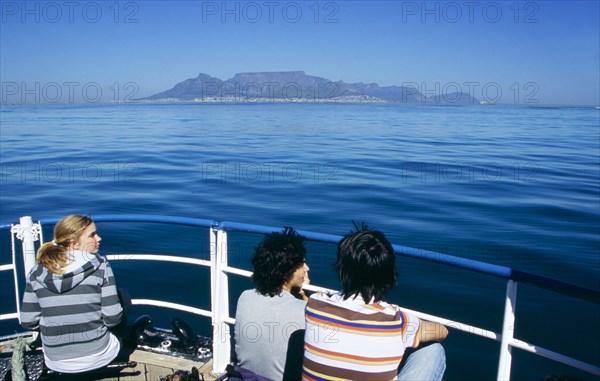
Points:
x=296, y=86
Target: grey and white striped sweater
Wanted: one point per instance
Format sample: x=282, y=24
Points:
x=74, y=310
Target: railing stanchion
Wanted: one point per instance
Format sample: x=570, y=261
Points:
x=508, y=332
x=15, y=274
x=27, y=232
x=28, y=236
x=220, y=301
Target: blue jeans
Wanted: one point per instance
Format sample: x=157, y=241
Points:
x=427, y=363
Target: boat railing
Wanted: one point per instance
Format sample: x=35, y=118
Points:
x=28, y=232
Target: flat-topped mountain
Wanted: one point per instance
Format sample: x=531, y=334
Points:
x=295, y=86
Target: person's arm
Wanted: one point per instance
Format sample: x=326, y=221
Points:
x=30, y=310
x=300, y=293
x=430, y=331
x=111, y=307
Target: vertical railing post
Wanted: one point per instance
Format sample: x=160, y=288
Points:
x=27, y=235
x=508, y=331
x=220, y=302
x=27, y=232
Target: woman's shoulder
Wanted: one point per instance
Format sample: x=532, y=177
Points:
x=35, y=272
x=249, y=295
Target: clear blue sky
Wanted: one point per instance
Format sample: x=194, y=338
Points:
x=530, y=51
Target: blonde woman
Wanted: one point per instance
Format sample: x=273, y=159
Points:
x=71, y=298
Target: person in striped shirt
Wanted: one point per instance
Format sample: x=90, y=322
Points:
x=71, y=298
x=355, y=335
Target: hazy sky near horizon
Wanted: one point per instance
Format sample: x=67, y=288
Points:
x=545, y=52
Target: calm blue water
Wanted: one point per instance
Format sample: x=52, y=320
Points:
x=511, y=185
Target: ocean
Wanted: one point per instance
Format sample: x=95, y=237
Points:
x=513, y=185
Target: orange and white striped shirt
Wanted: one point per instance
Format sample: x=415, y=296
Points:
x=352, y=340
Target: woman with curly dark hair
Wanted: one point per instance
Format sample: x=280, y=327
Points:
x=269, y=327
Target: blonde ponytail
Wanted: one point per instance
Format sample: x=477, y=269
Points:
x=54, y=255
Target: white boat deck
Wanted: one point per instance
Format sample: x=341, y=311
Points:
x=153, y=366
x=150, y=366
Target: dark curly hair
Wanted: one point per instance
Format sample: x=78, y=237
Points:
x=275, y=260
x=366, y=264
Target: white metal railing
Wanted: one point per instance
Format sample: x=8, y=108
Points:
x=28, y=232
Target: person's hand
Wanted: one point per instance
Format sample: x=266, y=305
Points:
x=299, y=292
x=306, y=280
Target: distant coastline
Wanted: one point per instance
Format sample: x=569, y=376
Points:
x=297, y=87
x=231, y=99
